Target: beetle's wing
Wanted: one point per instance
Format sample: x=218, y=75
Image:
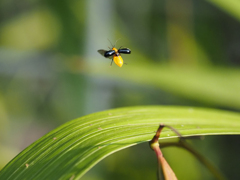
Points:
x=109, y=53
x=124, y=50
x=102, y=52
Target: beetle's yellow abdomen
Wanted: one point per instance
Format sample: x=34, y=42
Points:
x=118, y=60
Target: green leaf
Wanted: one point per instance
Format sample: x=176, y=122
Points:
x=72, y=149
x=214, y=86
x=230, y=6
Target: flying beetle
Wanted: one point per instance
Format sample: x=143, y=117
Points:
x=115, y=54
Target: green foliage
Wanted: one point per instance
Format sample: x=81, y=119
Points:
x=44, y=46
x=231, y=6
x=72, y=149
x=213, y=86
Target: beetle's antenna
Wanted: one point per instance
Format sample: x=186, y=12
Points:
x=110, y=43
x=116, y=42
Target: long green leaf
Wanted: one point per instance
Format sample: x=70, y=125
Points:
x=215, y=86
x=72, y=149
x=230, y=6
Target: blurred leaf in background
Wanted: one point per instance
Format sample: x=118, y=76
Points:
x=183, y=53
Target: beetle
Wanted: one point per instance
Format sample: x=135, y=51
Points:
x=115, y=54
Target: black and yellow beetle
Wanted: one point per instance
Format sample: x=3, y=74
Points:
x=115, y=54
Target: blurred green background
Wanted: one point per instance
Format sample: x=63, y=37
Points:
x=183, y=53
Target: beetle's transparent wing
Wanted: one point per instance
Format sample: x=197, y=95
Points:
x=102, y=52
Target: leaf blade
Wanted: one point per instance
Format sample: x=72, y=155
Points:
x=73, y=148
